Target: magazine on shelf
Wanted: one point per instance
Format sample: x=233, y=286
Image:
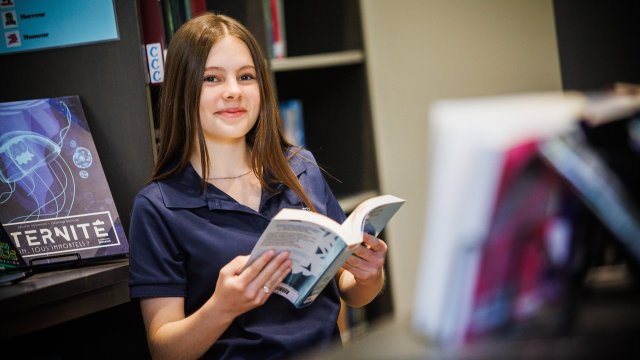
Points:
x=55, y=202
x=483, y=175
x=318, y=245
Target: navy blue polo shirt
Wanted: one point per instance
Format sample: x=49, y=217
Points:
x=181, y=238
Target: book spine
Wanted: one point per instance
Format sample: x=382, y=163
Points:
x=277, y=28
x=268, y=24
x=175, y=14
x=153, y=33
x=197, y=7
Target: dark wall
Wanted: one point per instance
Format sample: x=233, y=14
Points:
x=109, y=77
x=598, y=42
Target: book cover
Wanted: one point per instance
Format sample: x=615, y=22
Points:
x=55, y=202
x=318, y=246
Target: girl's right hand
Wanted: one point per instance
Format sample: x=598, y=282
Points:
x=238, y=291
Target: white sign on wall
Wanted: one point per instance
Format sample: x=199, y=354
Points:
x=155, y=63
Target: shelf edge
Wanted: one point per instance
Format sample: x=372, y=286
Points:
x=341, y=58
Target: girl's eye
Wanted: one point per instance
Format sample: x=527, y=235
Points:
x=247, y=77
x=211, y=78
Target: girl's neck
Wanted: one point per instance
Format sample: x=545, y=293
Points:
x=225, y=160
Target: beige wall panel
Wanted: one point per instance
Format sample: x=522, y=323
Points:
x=419, y=51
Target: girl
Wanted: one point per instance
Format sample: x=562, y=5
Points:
x=224, y=170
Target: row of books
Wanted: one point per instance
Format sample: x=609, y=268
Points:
x=161, y=19
x=516, y=183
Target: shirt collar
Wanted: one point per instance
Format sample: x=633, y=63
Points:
x=183, y=189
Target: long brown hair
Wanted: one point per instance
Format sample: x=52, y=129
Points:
x=180, y=100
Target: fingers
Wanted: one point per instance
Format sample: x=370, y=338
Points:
x=252, y=270
x=373, y=248
x=237, y=264
x=277, y=277
x=271, y=274
x=367, y=261
x=365, y=264
x=260, y=278
x=374, y=243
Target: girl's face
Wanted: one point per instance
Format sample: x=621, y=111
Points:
x=230, y=97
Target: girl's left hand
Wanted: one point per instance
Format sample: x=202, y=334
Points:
x=367, y=262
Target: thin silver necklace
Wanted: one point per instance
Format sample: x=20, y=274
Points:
x=229, y=177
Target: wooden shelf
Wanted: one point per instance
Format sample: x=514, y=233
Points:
x=53, y=297
x=340, y=58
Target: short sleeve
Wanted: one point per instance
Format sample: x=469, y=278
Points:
x=156, y=263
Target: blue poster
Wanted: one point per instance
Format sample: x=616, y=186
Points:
x=37, y=24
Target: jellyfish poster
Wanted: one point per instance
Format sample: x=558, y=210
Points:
x=55, y=202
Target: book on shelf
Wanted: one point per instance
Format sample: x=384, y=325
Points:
x=175, y=13
x=55, y=202
x=318, y=246
x=495, y=215
x=278, y=28
x=275, y=28
x=525, y=260
x=293, y=119
x=268, y=28
x=153, y=33
x=197, y=7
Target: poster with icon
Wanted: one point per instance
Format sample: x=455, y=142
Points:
x=55, y=202
x=35, y=24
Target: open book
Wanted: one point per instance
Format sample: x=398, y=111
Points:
x=318, y=245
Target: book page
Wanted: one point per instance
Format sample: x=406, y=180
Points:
x=304, y=234
x=371, y=216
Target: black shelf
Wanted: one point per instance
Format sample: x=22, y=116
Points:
x=54, y=297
